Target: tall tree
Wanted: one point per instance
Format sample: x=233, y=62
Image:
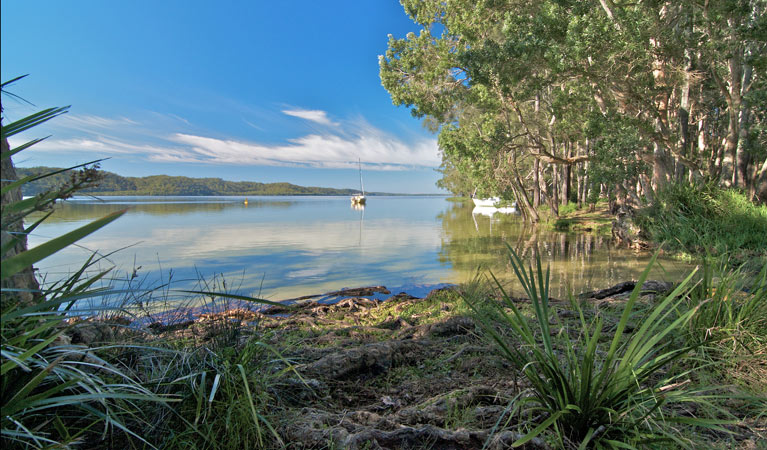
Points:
x=516, y=86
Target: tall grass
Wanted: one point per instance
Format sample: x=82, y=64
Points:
x=731, y=320
x=589, y=389
x=701, y=219
x=225, y=396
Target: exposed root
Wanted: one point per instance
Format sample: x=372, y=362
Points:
x=371, y=358
x=358, y=430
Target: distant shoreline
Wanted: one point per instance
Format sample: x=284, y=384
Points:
x=112, y=184
x=369, y=194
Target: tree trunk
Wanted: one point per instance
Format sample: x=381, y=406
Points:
x=579, y=187
x=554, y=197
x=734, y=100
x=25, y=280
x=661, y=169
x=760, y=183
x=684, y=117
x=744, y=117
x=567, y=175
x=536, y=183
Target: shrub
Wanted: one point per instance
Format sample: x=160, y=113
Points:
x=589, y=395
x=705, y=219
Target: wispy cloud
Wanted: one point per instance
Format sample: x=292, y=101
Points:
x=340, y=147
x=320, y=117
x=319, y=151
x=91, y=124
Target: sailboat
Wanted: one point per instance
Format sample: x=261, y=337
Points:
x=359, y=199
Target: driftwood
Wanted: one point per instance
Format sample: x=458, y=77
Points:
x=648, y=287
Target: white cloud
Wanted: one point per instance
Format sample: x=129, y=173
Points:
x=320, y=117
x=321, y=151
x=90, y=124
x=340, y=148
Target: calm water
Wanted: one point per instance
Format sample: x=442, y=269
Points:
x=285, y=247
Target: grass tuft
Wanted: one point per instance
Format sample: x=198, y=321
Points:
x=590, y=389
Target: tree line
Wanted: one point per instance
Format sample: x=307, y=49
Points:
x=559, y=101
x=113, y=184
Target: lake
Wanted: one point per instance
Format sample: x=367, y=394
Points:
x=286, y=247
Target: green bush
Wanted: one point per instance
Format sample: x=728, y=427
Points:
x=705, y=219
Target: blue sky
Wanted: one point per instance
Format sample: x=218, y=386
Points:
x=241, y=90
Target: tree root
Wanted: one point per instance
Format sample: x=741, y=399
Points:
x=358, y=430
x=371, y=358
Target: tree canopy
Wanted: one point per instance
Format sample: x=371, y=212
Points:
x=548, y=101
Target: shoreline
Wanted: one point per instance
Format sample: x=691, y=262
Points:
x=402, y=372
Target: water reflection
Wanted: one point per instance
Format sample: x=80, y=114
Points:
x=86, y=208
x=581, y=261
x=287, y=247
x=284, y=247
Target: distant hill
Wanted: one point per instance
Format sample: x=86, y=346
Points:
x=114, y=184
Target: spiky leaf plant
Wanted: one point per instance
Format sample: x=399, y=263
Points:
x=53, y=393
x=592, y=390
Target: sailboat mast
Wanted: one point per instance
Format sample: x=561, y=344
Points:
x=362, y=186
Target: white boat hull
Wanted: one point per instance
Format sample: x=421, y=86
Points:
x=358, y=199
x=486, y=202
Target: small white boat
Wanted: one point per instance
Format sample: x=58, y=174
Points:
x=359, y=199
x=485, y=202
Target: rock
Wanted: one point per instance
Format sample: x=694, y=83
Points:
x=401, y=297
x=619, y=288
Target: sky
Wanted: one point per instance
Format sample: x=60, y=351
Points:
x=266, y=91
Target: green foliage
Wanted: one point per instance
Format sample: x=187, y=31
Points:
x=614, y=160
x=619, y=83
x=59, y=394
x=731, y=320
x=223, y=390
x=113, y=184
x=706, y=219
x=568, y=208
x=730, y=306
x=55, y=393
x=588, y=394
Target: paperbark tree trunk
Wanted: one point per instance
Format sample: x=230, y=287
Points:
x=536, y=183
x=566, y=176
x=760, y=183
x=744, y=117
